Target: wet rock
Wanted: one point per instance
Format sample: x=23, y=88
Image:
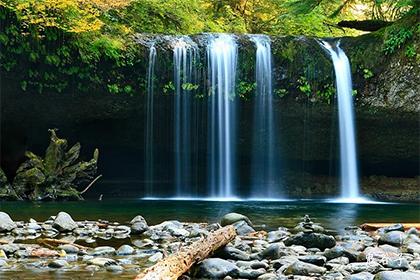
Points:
x=58, y=264
x=251, y=273
x=33, y=226
x=177, y=231
x=102, y=250
x=271, y=276
x=64, y=222
x=252, y=264
x=313, y=259
x=397, y=263
x=278, y=235
x=215, y=268
x=311, y=240
x=416, y=265
x=6, y=223
x=138, y=225
x=125, y=250
x=9, y=248
x=156, y=257
x=3, y=255
x=362, y=276
x=395, y=227
x=232, y=253
x=232, y=218
x=397, y=275
x=3, y=263
x=372, y=267
x=114, y=268
x=395, y=238
x=284, y=261
x=414, y=231
x=102, y=262
x=339, y=260
x=69, y=249
x=305, y=269
x=272, y=252
x=243, y=228
x=413, y=248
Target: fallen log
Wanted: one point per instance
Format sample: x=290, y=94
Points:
x=174, y=266
x=376, y=226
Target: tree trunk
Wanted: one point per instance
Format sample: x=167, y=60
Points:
x=174, y=266
x=375, y=226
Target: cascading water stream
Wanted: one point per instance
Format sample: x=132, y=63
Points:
x=149, y=161
x=348, y=156
x=222, y=61
x=263, y=159
x=184, y=54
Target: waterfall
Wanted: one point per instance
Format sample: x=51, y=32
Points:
x=348, y=157
x=185, y=54
x=222, y=61
x=149, y=149
x=264, y=163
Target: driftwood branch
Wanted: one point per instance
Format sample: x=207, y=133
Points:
x=91, y=184
x=174, y=266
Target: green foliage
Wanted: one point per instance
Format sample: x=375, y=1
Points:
x=326, y=93
x=397, y=38
x=169, y=88
x=367, y=73
x=189, y=86
x=304, y=86
x=245, y=89
x=281, y=92
x=410, y=51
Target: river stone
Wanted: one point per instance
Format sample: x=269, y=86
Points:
x=6, y=223
x=102, y=250
x=272, y=252
x=114, y=268
x=58, y=264
x=102, y=262
x=242, y=228
x=64, y=222
x=69, y=249
x=251, y=273
x=232, y=253
x=278, y=235
x=125, y=250
x=9, y=248
x=311, y=240
x=362, y=276
x=397, y=275
x=2, y=263
x=215, y=268
x=397, y=263
x=313, y=259
x=252, y=264
x=232, y=218
x=305, y=269
x=138, y=225
x=372, y=267
x=395, y=227
x=395, y=238
x=271, y=276
x=413, y=248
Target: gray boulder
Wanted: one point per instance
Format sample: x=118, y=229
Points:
x=64, y=222
x=58, y=264
x=232, y=218
x=314, y=259
x=398, y=263
x=395, y=238
x=305, y=269
x=272, y=252
x=233, y=253
x=397, y=275
x=215, y=268
x=242, y=228
x=362, y=276
x=138, y=225
x=311, y=240
x=124, y=250
x=6, y=223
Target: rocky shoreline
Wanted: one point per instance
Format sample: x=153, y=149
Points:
x=111, y=250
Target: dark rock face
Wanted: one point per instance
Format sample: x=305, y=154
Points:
x=311, y=240
x=386, y=117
